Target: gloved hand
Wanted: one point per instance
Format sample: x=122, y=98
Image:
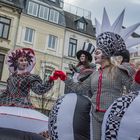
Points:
x=53, y=77
x=60, y=74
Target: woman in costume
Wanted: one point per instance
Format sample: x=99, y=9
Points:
x=21, y=81
x=84, y=68
x=108, y=82
x=15, y=100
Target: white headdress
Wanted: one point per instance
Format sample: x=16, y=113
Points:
x=120, y=37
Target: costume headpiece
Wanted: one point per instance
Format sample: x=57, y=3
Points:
x=87, y=49
x=113, y=38
x=13, y=56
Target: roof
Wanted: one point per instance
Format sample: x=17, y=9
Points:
x=14, y=3
x=57, y=3
x=72, y=19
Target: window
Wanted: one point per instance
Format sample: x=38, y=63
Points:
x=33, y=8
x=54, y=16
x=1, y=64
x=29, y=34
x=52, y=43
x=4, y=27
x=61, y=3
x=72, y=47
x=81, y=25
x=43, y=12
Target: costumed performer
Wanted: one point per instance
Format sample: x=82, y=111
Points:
x=108, y=82
x=85, y=67
x=15, y=105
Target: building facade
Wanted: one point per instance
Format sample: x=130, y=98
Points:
x=54, y=34
x=9, y=21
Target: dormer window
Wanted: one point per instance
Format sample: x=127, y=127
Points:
x=61, y=3
x=81, y=25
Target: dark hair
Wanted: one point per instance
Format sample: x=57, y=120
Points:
x=86, y=63
x=125, y=55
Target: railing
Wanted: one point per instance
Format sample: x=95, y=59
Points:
x=77, y=10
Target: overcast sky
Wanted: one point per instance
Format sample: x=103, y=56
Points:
x=113, y=8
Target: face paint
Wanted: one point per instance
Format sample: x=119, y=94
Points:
x=82, y=58
x=22, y=63
x=98, y=54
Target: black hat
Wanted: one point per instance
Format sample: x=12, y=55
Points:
x=88, y=49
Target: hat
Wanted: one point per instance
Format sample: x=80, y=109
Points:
x=13, y=56
x=87, y=49
x=113, y=38
x=110, y=43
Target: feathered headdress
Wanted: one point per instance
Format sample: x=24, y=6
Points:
x=113, y=38
x=13, y=56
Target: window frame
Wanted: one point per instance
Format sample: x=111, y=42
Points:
x=50, y=42
x=81, y=26
x=2, y=64
x=52, y=13
x=48, y=11
x=32, y=13
x=28, y=36
x=54, y=16
x=4, y=24
x=72, y=47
